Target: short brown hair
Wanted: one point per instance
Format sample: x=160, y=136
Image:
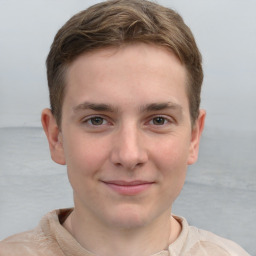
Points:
x=118, y=22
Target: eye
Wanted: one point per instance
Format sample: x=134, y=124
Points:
x=96, y=121
x=159, y=120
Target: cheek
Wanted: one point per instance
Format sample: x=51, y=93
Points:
x=172, y=154
x=84, y=162
x=84, y=156
x=171, y=160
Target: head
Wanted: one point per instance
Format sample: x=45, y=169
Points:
x=124, y=79
x=116, y=23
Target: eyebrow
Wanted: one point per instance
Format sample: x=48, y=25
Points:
x=110, y=108
x=95, y=107
x=161, y=106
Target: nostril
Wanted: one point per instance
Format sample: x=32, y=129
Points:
x=138, y=164
x=128, y=165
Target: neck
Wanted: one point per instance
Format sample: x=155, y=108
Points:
x=142, y=241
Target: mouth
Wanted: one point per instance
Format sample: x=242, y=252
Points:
x=129, y=188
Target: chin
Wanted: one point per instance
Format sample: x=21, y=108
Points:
x=130, y=217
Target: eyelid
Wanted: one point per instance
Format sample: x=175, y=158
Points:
x=169, y=119
x=86, y=119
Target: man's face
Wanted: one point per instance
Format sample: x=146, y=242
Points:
x=126, y=133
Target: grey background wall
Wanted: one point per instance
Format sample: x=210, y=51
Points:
x=220, y=192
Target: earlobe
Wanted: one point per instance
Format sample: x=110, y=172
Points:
x=195, y=137
x=54, y=136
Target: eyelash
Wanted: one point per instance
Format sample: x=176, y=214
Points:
x=89, y=121
x=165, y=119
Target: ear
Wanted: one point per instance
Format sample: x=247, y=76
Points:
x=195, y=137
x=54, y=136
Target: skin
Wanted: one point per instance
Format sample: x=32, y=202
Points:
x=126, y=138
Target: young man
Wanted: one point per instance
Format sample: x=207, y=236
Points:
x=124, y=80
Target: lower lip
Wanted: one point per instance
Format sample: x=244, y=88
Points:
x=129, y=190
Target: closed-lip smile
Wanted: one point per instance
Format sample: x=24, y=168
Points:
x=128, y=187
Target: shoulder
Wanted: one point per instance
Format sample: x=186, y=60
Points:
x=198, y=242
x=40, y=241
x=21, y=244
x=214, y=244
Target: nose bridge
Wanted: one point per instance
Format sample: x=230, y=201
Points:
x=129, y=149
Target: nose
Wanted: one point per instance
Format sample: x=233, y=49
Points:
x=128, y=149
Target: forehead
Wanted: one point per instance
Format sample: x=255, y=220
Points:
x=132, y=72
x=154, y=55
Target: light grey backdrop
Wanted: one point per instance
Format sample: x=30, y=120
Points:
x=220, y=192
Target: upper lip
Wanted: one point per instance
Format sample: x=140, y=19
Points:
x=128, y=183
